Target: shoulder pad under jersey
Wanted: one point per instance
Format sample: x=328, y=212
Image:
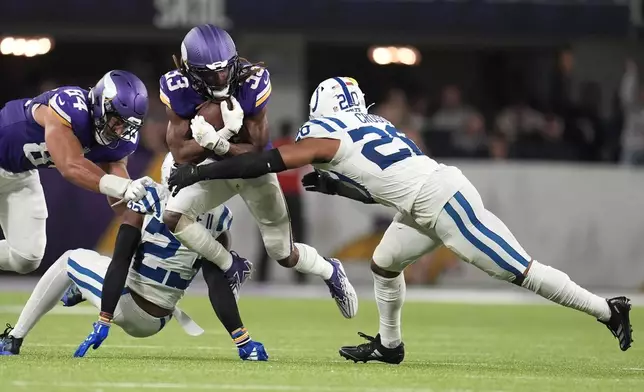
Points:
x=323, y=127
x=152, y=203
x=70, y=104
x=254, y=93
x=177, y=94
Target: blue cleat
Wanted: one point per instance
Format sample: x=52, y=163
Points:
x=238, y=273
x=72, y=296
x=342, y=290
x=253, y=351
x=9, y=345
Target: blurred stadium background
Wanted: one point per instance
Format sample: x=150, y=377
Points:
x=538, y=101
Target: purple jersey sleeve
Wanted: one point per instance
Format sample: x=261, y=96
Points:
x=255, y=92
x=70, y=105
x=177, y=94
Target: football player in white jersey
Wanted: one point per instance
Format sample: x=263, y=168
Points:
x=364, y=157
x=161, y=271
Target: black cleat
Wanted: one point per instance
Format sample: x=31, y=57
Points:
x=619, y=323
x=8, y=344
x=373, y=351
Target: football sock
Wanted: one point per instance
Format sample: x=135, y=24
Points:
x=390, y=296
x=310, y=262
x=222, y=298
x=48, y=291
x=556, y=286
x=199, y=239
x=240, y=337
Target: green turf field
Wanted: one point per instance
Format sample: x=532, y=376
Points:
x=449, y=348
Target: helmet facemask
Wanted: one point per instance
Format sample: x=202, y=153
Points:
x=214, y=81
x=111, y=127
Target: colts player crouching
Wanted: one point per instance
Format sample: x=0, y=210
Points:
x=160, y=273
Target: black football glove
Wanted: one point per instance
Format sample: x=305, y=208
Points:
x=182, y=176
x=316, y=181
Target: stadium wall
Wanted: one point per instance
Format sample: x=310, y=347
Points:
x=586, y=220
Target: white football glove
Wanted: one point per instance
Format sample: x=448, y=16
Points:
x=207, y=137
x=136, y=189
x=233, y=118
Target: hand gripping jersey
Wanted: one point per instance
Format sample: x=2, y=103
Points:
x=379, y=160
x=177, y=93
x=162, y=268
x=22, y=139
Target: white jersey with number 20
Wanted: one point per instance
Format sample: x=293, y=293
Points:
x=382, y=162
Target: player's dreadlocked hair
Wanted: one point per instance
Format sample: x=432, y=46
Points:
x=248, y=70
x=244, y=72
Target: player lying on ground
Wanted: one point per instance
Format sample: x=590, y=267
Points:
x=211, y=70
x=161, y=271
x=374, y=162
x=87, y=134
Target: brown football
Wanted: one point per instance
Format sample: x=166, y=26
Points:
x=212, y=113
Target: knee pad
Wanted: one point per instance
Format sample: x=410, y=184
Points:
x=277, y=252
x=277, y=241
x=384, y=257
x=25, y=263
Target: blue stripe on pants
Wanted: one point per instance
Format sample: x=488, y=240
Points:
x=84, y=271
x=478, y=243
x=487, y=232
x=84, y=285
x=90, y=274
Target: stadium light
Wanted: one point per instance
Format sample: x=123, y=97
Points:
x=405, y=55
x=28, y=47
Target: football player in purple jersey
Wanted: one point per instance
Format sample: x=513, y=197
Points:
x=210, y=70
x=86, y=135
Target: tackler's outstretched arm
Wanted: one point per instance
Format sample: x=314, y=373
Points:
x=253, y=165
x=317, y=181
x=67, y=153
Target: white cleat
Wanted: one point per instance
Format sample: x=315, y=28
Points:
x=342, y=290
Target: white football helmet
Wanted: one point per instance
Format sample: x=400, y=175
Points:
x=334, y=95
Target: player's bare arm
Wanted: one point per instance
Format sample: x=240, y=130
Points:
x=67, y=152
x=257, y=128
x=183, y=147
x=252, y=165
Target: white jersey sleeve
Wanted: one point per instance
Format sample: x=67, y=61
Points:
x=153, y=203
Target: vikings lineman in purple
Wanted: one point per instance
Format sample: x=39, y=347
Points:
x=210, y=69
x=86, y=135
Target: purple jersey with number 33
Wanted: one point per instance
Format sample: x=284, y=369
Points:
x=22, y=139
x=178, y=94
